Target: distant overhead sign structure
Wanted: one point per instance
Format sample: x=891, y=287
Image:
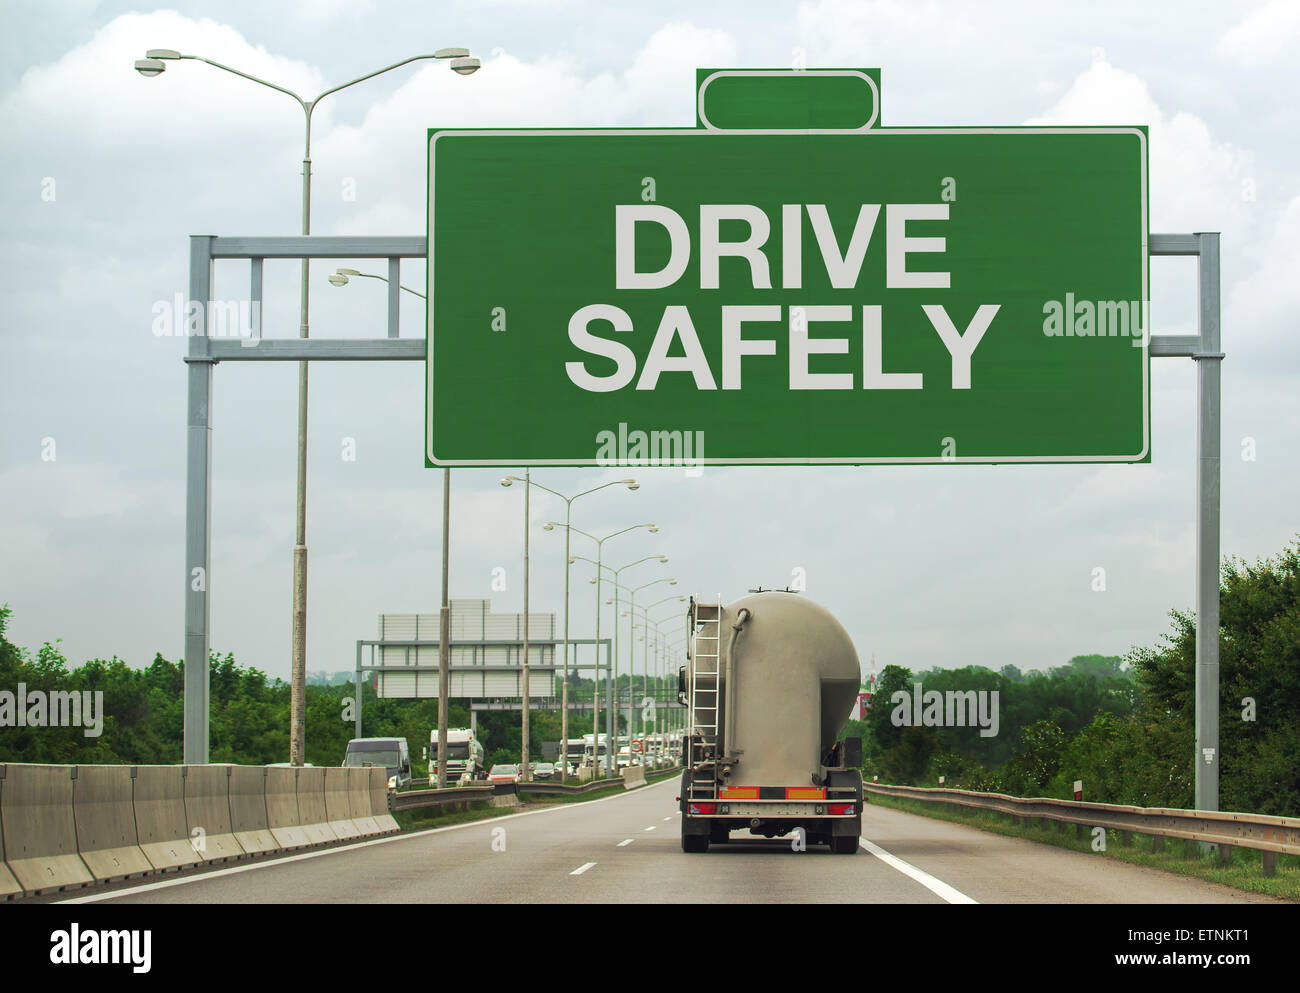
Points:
x=798, y=294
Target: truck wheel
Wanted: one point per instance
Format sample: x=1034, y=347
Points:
x=695, y=842
x=844, y=844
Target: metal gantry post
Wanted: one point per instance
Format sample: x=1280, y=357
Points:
x=1208, y=368
x=444, y=635
x=523, y=754
x=198, y=510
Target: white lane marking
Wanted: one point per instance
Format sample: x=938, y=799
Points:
x=936, y=886
x=234, y=870
x=625, y=841
x=582, y=868
x=667, y=818
x=650, y=828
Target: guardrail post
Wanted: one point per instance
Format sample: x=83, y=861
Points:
x=1157, y=843
x=1126, y=839
x=1270, y=863
x=1225, y=855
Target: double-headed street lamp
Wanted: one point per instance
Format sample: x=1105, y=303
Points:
x=611, y=722
x=631, y=484
x=154, y=64
x=631, y=650
x=653, y=622
x=600, y=545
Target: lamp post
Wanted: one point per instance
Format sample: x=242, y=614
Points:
x=631, y=651
x=631, y=484
x=154, y=64
x=645, y=679
x=613, y=722
x=600, y=545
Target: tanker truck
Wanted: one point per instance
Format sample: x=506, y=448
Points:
x=768, y=686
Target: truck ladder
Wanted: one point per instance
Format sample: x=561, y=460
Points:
x=705, y=697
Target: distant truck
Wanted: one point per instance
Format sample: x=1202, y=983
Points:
x=391, y=753
x=465, y=756
x=769, y=683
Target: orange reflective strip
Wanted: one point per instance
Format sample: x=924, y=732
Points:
x=739, y=793
x=805, y=793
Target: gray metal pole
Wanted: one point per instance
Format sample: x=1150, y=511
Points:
x=357, y=684
x=612, y=718
x=298, y=644
x=444, y=634
x=523, y=765
x=595, y=690
x=564, y=688
x=198, y=511
x=1208, y=370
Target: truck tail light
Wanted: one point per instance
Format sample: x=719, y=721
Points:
x=841, y=808
x=703, y=808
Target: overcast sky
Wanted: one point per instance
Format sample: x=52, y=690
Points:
x=106, y=174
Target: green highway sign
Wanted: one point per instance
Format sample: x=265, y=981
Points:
x=760, y=296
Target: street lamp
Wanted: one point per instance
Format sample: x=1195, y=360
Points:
x=340, y=278
x=600, y=543
x=154, y=64
x=631, y=484
x=631, y=653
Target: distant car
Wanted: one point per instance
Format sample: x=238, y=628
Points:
x=543, y=770
x=503, y=774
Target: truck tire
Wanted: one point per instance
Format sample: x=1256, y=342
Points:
x=718, y=834
x=694, y=843
x=844, y=844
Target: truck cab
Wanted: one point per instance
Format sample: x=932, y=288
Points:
x=390, y=753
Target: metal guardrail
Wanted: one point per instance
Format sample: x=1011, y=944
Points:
x=1267, y=833
x=415, y=799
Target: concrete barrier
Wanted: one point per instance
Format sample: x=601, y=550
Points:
x=311, y=806
x=282, y=818
x=104, y=814
x=633, y=776
x=359, y=802
x=9, y=887
x=159, y=803
x=248, y=820
x=338, y=805
x=207, y=813
x=40, y=834
x=379, y=801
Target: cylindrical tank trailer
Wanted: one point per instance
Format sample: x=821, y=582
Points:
x=769, y=684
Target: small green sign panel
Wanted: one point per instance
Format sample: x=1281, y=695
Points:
x=759, y=297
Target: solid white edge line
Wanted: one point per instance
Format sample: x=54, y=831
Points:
x=935, y=886
x=268, y=863
x=582, y=868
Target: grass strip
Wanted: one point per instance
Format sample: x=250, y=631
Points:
x=1244, y=873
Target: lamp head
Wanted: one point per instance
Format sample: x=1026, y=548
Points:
x=150, y=67
x=338, y=279
x=465, y=66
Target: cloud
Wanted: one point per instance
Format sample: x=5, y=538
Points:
x=1263, y=34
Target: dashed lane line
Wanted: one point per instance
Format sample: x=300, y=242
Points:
x=936, y=886
x=582, y=868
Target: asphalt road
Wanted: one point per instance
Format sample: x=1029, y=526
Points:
x=626, y=849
